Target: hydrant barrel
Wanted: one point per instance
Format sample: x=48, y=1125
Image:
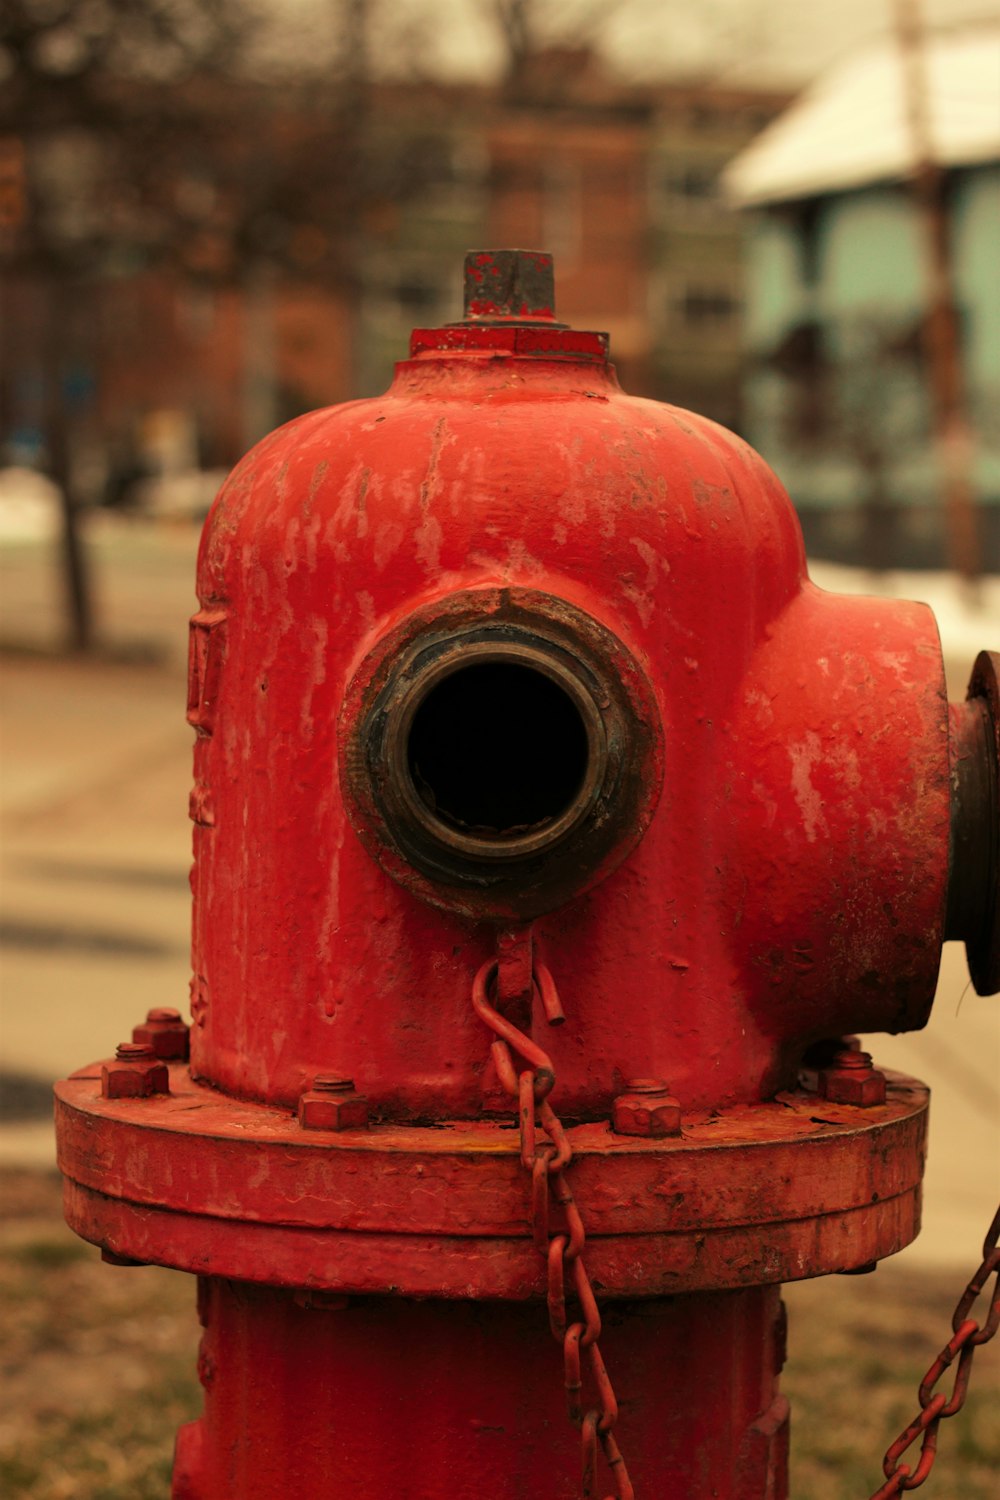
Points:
x=552, y=835
x=480, y=1411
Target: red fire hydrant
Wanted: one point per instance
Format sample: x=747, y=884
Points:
x=552, y=834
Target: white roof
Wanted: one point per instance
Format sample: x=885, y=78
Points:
x=851, y=126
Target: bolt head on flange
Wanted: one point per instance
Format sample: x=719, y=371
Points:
x=647, y=1108
x=851, y=1079
x=135, y=1073
x=165, y=1032
x=333, y=1104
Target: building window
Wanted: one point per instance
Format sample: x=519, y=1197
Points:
x=694, y=181
x=704, y=306
x=562, y=213
x=689, y=189
x=413, y=294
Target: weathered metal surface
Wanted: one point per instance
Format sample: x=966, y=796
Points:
x=773, y=1192
x=509, y=286
x=165, y=1032
x=791, y=882
x=380, y=1398
x=849, y=1078
x=507, y=674
x=546, y=747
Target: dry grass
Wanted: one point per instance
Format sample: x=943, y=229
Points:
x=98, y=1363
x=858, y=1348
x=99, y=1369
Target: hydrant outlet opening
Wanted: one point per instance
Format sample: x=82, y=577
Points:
x=498, y=750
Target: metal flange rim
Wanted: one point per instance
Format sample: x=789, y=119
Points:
x=758, y=1194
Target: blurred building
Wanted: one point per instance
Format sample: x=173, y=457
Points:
x=622, y=186
x=620, y=183
x=837, y=395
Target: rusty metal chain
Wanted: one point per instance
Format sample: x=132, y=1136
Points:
x=547, y=1162
x=967, y=1335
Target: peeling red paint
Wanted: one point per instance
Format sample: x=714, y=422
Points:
x=752, y=854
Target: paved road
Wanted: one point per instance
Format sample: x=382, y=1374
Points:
x=95, y=856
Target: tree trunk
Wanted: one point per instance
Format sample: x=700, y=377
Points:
x=78, y=593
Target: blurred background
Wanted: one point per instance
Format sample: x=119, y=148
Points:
x=217, y=214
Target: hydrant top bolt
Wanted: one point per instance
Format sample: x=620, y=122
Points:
x=504, y=286
x=329, y=1083
x=163, y=1013
x=646, y=1086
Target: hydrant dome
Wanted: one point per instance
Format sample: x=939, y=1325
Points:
x=531, y=465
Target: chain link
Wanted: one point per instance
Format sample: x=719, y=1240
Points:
x=547, y=1162
x=967, y=1335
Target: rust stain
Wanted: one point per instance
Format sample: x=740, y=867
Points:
x=428, y=485
x=366, y=479
x=319, y=474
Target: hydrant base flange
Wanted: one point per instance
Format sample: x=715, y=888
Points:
x=753, y=1195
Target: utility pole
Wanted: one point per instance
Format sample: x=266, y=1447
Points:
x=953, y=437
x=355, y=111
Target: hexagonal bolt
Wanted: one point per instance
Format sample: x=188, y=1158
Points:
x=165, y=1032
x=332, y=1104
x=851, y=1079
x=647, y=1107
x=136, y=1073
x=820, y=1054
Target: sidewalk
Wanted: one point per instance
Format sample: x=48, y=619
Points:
x=94, y=771
x=93, y=796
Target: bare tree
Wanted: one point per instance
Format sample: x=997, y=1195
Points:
x=115, y=113
x=532, y=29
x=99, y=97
x=952, y=430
